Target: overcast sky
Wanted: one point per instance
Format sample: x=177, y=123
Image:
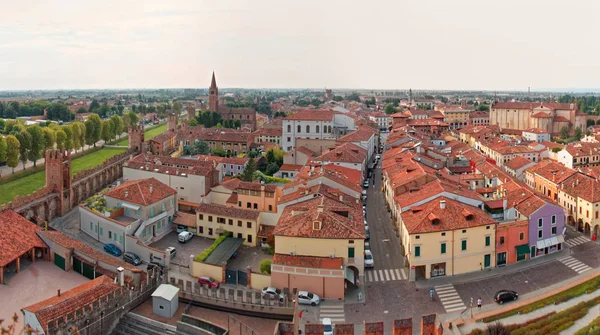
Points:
x=491, y=45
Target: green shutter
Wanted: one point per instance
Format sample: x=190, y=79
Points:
x=487, y=241
x=464, y=245
x=351, y=252
x=443, y=251
x=417, y=251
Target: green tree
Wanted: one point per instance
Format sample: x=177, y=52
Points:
x=37, y=144
x=590, y=122
x=49, y=138
x=270, y=156
x=2, y=149
x=483, y=108
x=272, y=168
x=89, y=132
x=248, y=173
x=93, y=129
x=177, y=107
x=192, y=123
x=130, y=119
x=94, y=105
x=564, y=132
x=578, y=134
x=76, y=138
x=200, y=148
x=12, y=152
x=24, y=146
x=81, y=110
x=118, y=124
x=389, y=109
x=61, y=139
x=265, y=266
x=105, y=133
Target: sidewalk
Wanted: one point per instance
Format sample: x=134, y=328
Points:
x=467, y=324
x=488, y=273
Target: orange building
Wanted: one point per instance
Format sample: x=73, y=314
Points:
x=247, y=195
x=512, y=242
x=545, y=177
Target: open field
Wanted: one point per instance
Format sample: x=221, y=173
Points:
x=32, y=182
x=148, y=134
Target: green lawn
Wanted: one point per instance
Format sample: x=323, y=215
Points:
x=32, y=182
x=147, y=134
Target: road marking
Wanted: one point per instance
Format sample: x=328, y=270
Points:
x=385, y=275
x=398, y=274
x=577, y=241
x=334, y=312
x=392, y=274
x=381, y=275
x=449, y=298
x=574, y=264
x=375, y=275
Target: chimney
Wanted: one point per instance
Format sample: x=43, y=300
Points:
x=320, y=209
x=442, y=204
x=126, y=193
x=59, y=292
x=121, y=272
x=341, y=198
x=150, y=188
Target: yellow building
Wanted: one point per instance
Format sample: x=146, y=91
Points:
x=214, y=220
x=579, y=195
x=444, y=238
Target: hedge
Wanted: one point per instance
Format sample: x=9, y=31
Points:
x=592, y=328
x=204, y=255
x=576, y=291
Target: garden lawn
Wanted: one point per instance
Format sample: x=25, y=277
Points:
x=32, y=182
x=147, y=134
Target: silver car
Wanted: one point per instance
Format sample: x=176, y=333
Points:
x=307, y=298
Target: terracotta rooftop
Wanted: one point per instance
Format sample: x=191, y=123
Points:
x=18, y=236
x=582, y=186
x=551, y=170
x=306, y=151
x=530, y=204
x=234, y=212
x=532, y=105
x=215, y=135
x=70, y=301
x=536, y=131
x=335, y=263
x=224, y=160
x=542, y=115
x=312, y=115
x=347, y=152
x=141, y=191
x=267, y=132
x=360, y=135
x=431, y=217
x=517, y=163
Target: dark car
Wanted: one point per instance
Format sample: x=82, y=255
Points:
x=505, y=295
x=112, y=249
x=132, y=258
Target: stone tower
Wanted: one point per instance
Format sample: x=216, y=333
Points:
x=136, y=137
x=213, y=95
x=171, y=122
x=58, y=176
x=191, y=112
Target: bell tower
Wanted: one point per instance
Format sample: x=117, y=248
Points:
x=58, y=176
x=213, y=95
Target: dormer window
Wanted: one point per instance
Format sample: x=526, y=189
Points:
x=316, y=225
x=436, y=222
x=469, y=217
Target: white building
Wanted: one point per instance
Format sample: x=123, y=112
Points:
x=314, y=124
x=536, y=135
x=381, y=119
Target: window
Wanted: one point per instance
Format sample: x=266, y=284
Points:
x=164, y=207
x=596, y=214
x=553, y=219
x=350, y=252
x=91, y=226
x=201, y=216
x=299, y=129
x=487, y=227
x=553, y=231
x=230, y=222
x=464, y=231
x=249, y=238
x=487, y=241
x=307, y=129
x=417, y=251
x=101, y=231
x=502, y=239
x=248, y=224
x=248, y=205
x=443, y=248
x=109, y=234
x=210, y=219
x=201, y=228
x=210, y=231
x=289, y=129
x=137, y=212
x=540, y=222
x=463, y=245
x=587, y=213
x=239, y=204
x=240, y=235
x=317, y=129
x=540, y=233
x=417, y=237
x=152, y=212
x=271, y=208
x=239, y=223
x=171, y=202
x=443, y=234
x=255, y=205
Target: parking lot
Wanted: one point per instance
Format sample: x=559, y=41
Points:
x=248, y=257
x=192, y=247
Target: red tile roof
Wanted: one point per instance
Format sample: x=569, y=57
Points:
x=517, y=163
x=582, y=186
x=170, y=165
x=360, y=135
x=224, y=160
x=347, y=153
x=532, y=105
x=267, y=132
x=430, y=217
x=536, y=131
x=309, y=261
x=70, y=301
x=141, y=191
x=551, y=170
x=18, y=236
x=335, y=220
x=247, y=214
x=312, y=115
x=215, y=135
x=530, y=204
x=306, y=151
x=542, y=115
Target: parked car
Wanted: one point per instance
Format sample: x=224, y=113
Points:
x=171, y=252
x=368, y=236
x=369, y=262
x=181, y=229
x=132, y=258
x=505, y=295
x=366, y=183
x=208, y=282
x=367, y=245
x=273, y=293
x=307, y=298
x=366, y=224
x=112, y=249
x=327, y=327
x=378, y=157
x=184, y=236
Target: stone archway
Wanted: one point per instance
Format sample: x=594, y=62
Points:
x=41, y=211
x=52, y=208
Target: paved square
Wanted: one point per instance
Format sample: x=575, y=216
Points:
x=192, y=247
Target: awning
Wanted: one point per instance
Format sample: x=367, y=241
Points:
x=547, y=243
x=350, y=275
x=522, y=249
x=130, y=206
x=561, y=239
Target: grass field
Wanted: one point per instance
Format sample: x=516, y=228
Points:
x=147, y=134
x=32, y=182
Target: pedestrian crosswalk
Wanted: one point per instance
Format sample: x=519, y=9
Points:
x=577, y=241
x=449, y=298
x=574, y=264
x=385, y=275
x=334, y=312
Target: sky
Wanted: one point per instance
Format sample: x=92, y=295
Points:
x=395, y=44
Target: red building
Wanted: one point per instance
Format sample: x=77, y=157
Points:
x=512, y=241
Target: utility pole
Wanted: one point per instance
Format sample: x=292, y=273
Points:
x=471, y=307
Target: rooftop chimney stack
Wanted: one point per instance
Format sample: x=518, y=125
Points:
x=442, y=204
x=150, y=188
x=121, y=271
x=59, y=292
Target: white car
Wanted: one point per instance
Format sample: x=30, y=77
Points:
x=273, y=293
x=369, y=259
x=184, y=236
x=327, y=327
x=307, y=298
x=378, y=157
